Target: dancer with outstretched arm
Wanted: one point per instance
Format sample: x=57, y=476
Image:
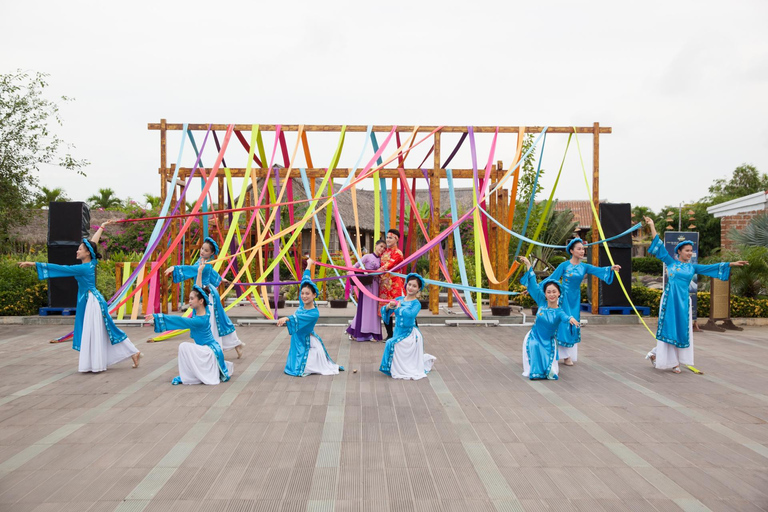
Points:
x=404, y=356
x=222, y=328
x=674, y=334
x=100, y=343
x=572, y=273
x=307, y=354
x=540, y=345
x=201, y=362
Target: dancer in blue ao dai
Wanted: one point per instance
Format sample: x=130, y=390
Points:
x=307, y=354
x=96, y=337
x=571, y=273
x=674, y=334
x=201, y=362
x=540, y=345
x=222, y=328
x=404, y=356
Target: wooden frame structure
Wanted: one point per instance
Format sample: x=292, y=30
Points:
x=498, y=203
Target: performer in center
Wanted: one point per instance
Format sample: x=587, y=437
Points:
x=307, y=354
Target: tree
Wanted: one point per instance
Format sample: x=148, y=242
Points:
x=154, y=202
x=105, y=199
x=755, y=234
x=47, y=195
x=746, y=180
x=27, y=142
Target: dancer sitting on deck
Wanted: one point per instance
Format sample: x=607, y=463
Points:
x=674, y=334
x=404, y=356
x=201, y=362
x=539, y=345
x=572, y=273
x=99, y=341
x=307, y=354
x=222, y=328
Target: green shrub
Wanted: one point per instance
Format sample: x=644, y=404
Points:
x=642, y=296
x=741, y=307
x=21, y=293
x=648, y=265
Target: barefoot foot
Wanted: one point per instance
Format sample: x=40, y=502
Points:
x=567, y=361
x=239, y=350
x=136, y=358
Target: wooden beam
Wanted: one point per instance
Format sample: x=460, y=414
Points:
x=381, y=128
x=239, y=172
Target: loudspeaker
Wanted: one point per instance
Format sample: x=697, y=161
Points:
x=615, y=218
x=68, y=222
x=62, y=291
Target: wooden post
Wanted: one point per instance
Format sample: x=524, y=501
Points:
x=503, y=247
x=596, y=201
x=449, y=265
x=492, y=241
x=434, y=230
x=163, y=171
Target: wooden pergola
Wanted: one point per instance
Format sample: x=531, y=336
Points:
x=498, y=203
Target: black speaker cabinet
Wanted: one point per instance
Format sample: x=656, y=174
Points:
x=615, y=218
x=62, y=291
x=68, y=222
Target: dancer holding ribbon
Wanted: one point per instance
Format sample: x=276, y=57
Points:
x=366, y=326
x=674, y=334
x=572, y=273
x=201, y=362
x=390, y=286
x=307, y=354
x=540, y=345
x=96, y=337
x=404, y=356
x=222, y=328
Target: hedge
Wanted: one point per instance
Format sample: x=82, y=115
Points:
x=741, y=307
x=22, y=294
x=648, y=265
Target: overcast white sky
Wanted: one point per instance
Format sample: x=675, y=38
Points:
x=683, y=84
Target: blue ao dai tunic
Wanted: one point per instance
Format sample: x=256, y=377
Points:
x=307, y=354
x=540, y=346
x=96, y=337
x=570, y=301
x=201, y=362
x=674, y=333
x=222, y=327
x=404, y=356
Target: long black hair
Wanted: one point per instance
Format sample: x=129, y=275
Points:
x=203, y=296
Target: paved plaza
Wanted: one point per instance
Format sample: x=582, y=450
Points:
x=612, y=434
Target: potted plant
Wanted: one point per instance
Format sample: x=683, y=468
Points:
x=280, y=299
x=336, y=294
x=500, y=310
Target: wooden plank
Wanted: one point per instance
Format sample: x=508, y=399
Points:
x=381, y=128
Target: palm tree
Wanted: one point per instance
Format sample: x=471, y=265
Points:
x=755, y=234
x=558, y=229
x=106, y=199
x=46, y=196
x=153, y=201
